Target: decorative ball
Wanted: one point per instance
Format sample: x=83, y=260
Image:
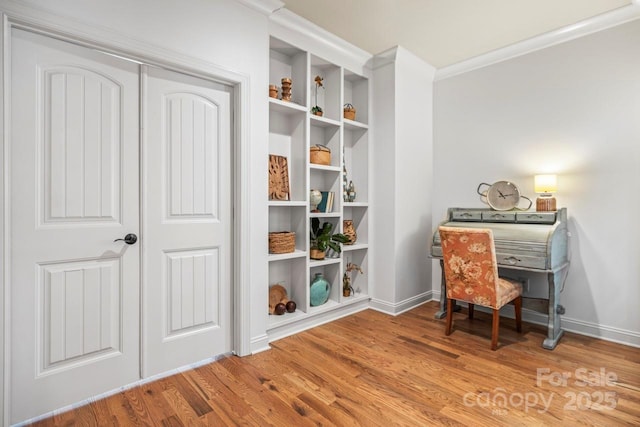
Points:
x=291, y=306
x=280, y=308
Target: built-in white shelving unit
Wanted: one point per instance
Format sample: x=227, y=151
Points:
x=293, y=129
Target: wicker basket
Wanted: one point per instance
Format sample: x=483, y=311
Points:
x=282, y=242
x=320, y=155
x=349, y=112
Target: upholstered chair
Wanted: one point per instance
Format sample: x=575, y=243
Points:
x=471, y=275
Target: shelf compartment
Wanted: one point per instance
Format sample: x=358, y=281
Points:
x=359, y=281
x=287, y=139
x=286, y=218
x=360, y=218
x=286, y=60
x=324, y=179
x=292, y=275
x=329, y=136
x=328, y=96
x=356, y=93
x=331, y=273
x=356, y=162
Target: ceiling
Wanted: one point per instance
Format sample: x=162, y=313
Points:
x=443, y=32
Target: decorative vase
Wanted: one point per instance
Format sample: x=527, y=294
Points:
x=315, y=197
x=320, y=290
x=273, y=91
x=286, y=88
x=349, y=230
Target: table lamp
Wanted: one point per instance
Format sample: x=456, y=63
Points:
x=545, y=185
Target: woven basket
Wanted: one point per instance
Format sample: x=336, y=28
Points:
x=282, y=242
x=320, y=155
x=349, y=112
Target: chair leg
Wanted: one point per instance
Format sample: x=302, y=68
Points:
x=470, y=310
x=494, y=329
x=447, y=330
x=518, y=308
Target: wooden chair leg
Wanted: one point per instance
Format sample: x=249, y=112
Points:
x=447, y=330
x=494, y=329
x=518, y=308
x=470, y=310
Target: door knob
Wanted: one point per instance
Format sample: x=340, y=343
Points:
x=129, y=239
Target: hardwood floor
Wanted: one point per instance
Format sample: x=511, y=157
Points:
x=372, y=369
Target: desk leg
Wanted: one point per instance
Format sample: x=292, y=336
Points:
x=442, y=313
x=554, y=332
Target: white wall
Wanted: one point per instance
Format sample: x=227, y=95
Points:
x=414, y=163
x=571, y=109
x=402, y=176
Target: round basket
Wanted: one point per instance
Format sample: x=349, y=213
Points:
x=349, y=112
x=282, y=242
x=320, y=155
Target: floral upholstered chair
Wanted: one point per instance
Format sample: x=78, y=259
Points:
x=471, y=275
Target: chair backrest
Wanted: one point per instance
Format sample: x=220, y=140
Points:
x=470, y=266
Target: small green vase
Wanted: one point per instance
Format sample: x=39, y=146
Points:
x=320, y=290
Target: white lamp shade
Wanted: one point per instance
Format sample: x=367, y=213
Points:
x=545, y=184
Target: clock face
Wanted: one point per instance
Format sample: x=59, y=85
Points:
x=503, y=196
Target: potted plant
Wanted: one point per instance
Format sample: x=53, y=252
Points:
x=322, y=239
x=347, y=289
x=317, y=110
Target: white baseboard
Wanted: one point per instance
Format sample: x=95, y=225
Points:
x=590, y=329
x=259, y=344
x=400, y=307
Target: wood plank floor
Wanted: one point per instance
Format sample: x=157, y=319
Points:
x=371, y=369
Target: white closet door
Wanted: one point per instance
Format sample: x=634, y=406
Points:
x=188, y=224
x=74, y=189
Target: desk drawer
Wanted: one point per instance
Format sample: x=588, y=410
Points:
x=536, y=217
x=517, y=260
x=466, y=215
x=496, y=216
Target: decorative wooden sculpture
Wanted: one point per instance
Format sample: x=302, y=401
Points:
x=278, y=178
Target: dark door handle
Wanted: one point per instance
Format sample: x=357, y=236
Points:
x=129, y=239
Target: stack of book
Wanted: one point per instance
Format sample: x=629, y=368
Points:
x=326, y=204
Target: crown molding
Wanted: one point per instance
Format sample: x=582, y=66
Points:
x=266, y=7
x=561, y=35
x=303, y=28
x=385, y=57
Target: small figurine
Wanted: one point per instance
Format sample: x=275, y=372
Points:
x=351, y=192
